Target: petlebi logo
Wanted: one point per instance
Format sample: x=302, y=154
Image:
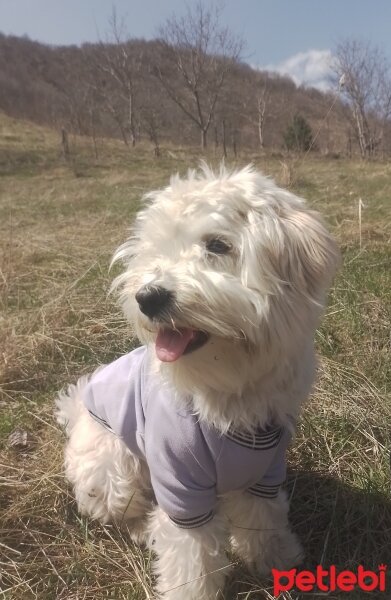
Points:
x=330, y=580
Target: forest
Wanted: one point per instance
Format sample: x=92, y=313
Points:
x=192, y=85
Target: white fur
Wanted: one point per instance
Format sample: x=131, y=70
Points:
x=260, y=304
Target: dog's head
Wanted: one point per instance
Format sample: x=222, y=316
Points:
x=225, y=273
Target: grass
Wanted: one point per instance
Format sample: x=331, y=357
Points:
x=57, y=322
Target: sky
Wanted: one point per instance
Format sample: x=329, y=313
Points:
x=293, y=37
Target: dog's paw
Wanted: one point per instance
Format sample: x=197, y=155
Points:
x=263, y=551
x=283, y=552
x=136, y=530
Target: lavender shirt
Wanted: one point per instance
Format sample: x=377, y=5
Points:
x=190, y=462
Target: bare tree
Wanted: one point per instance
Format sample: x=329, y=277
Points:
x=255, y=102
x=152, y=124
x=119, y=64
x=69, y=78
x=197, y=55
x=262, y=102
x=363, y=72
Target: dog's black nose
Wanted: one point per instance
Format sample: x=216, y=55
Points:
x=152, y=299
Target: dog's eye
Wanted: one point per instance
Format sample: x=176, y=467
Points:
x=217, y=246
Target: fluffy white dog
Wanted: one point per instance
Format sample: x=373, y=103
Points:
x=184, y=439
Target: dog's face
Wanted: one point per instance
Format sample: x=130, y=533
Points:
x=225, y=268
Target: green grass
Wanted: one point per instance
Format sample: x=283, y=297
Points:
x=59, y=225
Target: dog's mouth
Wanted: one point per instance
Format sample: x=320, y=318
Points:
x=171, y=344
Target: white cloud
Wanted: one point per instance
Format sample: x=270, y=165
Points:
x=311, y=68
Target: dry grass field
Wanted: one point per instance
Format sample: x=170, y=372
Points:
x=59, y=224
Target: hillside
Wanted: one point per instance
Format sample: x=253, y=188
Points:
x=60, y=222
x=67, y=87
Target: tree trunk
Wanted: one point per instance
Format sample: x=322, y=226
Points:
x=65, y=143
x=224, y=139
x=94, y=142
x=132, y=129
x=261, y=120
x=260, y=133
x=349, y=145
x=123, y=134
x=155, y=140
x=93, y=132
x=203, y=138
x=234, y=144
x=362, y=133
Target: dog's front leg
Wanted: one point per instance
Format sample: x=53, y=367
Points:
x=191, y=563
x=260, y=532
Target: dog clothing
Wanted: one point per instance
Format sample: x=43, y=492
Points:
x=190, y=462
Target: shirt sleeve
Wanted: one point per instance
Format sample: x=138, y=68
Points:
x=269, y=485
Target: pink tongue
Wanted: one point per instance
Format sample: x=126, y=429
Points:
x=170, y=344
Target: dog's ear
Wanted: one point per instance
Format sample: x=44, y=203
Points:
x=310, y=255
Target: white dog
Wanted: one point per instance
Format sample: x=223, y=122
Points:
x=184, y=439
